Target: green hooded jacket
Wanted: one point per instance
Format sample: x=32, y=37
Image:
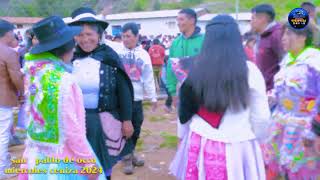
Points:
x=182, y=47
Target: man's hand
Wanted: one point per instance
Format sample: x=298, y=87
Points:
x=154, y=106
x=175, y=101
x=127, y=129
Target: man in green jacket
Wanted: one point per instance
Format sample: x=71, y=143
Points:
x=187, y=44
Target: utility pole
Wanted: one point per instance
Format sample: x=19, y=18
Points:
x=237, y=9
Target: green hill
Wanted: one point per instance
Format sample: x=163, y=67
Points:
x=282, y=7
x=65, y=7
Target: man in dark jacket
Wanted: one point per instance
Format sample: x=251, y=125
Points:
x=268, y=50
x=311, y=9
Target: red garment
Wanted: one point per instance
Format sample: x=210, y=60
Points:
x=270, y=53
x=157, y=54
x=213, y=118
x=250, y=53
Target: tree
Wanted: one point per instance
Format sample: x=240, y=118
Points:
x=156, y=5
x=192, y=1
x=140, y=5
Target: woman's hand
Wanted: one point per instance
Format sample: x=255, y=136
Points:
x=308, y=143
x=175, y=101
x=127, y=129
x=21, y=100
x=93, y=176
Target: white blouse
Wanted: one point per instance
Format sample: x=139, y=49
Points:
x=248, y=124
x=86, y=72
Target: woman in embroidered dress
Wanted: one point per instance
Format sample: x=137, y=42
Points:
x=106, y=88
x=290, y=148
x=55, y=111
x=223, y=104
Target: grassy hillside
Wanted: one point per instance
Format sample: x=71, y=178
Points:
x=20, y=8
x=282, y=7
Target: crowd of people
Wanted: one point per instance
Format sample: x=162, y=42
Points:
x=248, y=106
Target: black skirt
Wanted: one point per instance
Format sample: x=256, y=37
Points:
x=96, y=138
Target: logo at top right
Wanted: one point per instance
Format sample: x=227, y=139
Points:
x=298, y=18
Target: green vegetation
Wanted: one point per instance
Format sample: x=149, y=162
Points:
x=282, y=7
x=45, y=8
x=156, y=118
x=156, y=5
x=145, y=133
x=140, y=145
x=141, y=5
x=169, y=140
x=146, y=105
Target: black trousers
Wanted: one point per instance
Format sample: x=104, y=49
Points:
x=137, y=120
x=169, y=98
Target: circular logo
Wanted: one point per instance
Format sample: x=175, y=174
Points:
x=298, y=18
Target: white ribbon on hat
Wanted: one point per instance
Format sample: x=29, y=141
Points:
x=85, y=15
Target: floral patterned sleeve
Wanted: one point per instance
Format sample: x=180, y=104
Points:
x=316, y=120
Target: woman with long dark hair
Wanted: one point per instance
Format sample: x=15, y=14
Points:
x=224, y=106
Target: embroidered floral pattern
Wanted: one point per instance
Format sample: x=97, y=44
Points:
x=307, y=104
x=287, y=150
x=288, y=104
x=44, y=79
x=193, y=154
x=215, y=160
x=180, y=72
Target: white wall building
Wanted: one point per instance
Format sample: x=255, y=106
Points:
x=164, y=22
x=151, y=23
x=243, y=21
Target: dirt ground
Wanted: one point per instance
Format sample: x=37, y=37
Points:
x=157, y=146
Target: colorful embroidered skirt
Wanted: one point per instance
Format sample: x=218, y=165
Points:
x=286, y=151
x=199, y=158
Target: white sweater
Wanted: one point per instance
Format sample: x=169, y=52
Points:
x=138, y=66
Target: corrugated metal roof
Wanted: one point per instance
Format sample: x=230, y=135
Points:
x=146, y=14
x=22, y=20
x=244, y=16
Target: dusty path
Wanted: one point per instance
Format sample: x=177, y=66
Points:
x=157, y=146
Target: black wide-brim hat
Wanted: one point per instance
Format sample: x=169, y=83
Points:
x=87, y=15
x=52, y=33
